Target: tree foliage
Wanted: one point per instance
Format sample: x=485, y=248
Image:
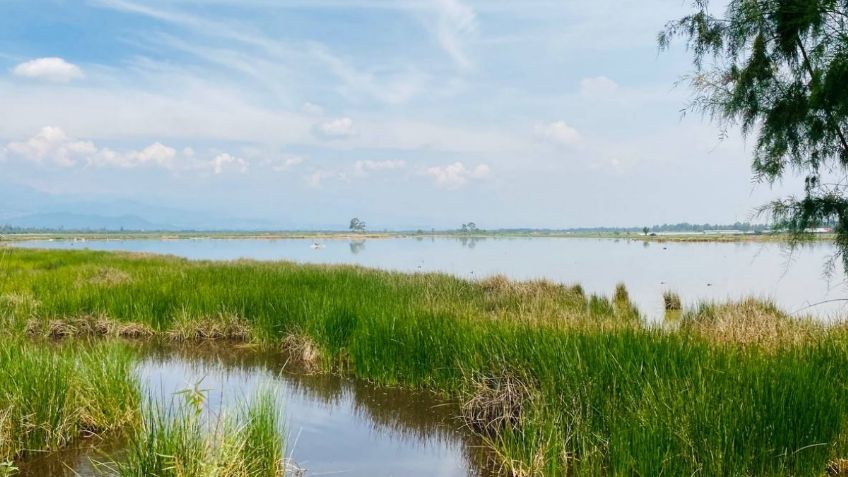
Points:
x=779, y=70
x=357, y=225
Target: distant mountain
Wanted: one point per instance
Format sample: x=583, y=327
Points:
x=70, y=221
x=26, y=207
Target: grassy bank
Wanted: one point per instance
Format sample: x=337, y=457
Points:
x=50, y=397
x=559, y=382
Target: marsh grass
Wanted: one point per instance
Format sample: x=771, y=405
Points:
x=671, y=301
x=180, y=441
x=737, y=389
x=52, y=396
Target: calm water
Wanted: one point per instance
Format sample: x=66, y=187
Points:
x=697, y=271
x=335, y=426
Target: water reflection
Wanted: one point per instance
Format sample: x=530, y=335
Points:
x=335, y=425
x=357, y=246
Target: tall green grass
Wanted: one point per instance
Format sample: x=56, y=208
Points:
x=606, y=395
x=52, y=396
x=182, y=442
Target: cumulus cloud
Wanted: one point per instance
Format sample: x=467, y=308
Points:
x=51, y=145
x=225, y=162
x=453, y=176
x=558, y=132
x=336, y=128
x=597, y=87
x=49, y=69
x=364, y=167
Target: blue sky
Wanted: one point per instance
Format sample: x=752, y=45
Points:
x=406, y=113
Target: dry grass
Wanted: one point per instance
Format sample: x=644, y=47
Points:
x=105, y=277
x=837, y=468
x=751, y=322
x=672, y=301
x=496, y=402
x=86, y=326
x=221, y=327
x=303, y=352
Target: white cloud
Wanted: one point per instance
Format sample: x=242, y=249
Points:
x=453, y=176
x=319, y=175
x=337, y=128
x=51, y=145
x=364, y=167
x=558, y=132
x=285, y=164
x=50, y=69
x=224, y=162
x=157, y=153
x=598, y=87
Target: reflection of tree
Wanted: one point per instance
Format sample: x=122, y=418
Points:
x=470, y=242
x=357, y=246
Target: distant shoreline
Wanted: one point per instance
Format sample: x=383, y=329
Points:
x=341, y=235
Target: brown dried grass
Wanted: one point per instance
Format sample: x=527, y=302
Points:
x=496, y=402
x=752, y=322
x=303, y=352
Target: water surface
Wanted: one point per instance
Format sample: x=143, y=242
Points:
x=335, y=426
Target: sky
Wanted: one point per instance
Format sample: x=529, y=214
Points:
x=408, y=114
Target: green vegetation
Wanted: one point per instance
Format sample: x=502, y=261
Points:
x=778, y=70
x=52, y=396
x=179, y=442
x=556, y=381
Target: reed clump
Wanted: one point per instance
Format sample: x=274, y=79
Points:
x=671, y=301
x=752, y=322
x=183, y=442
x=496, y=402
x=303, y=352
x=86, y=326
x=51, y=397
x=220, y=327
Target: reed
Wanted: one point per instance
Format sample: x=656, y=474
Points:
x=52, y=396
x=557, y=382
x=181, y=441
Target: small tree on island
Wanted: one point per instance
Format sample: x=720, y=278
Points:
x=357, y=225
x=469, y=227
x=645, y=230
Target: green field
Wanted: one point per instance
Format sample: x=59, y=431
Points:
x=557, y=382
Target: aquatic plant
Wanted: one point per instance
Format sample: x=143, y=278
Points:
x=671, y=301
x=177, y=441
x=53, y=396
x=738, y=389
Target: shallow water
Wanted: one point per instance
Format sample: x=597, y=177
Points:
x=335, y=426
x=697, y=271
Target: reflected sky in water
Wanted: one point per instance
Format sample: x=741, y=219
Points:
x=335, y=426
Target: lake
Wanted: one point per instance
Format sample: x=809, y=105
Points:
x=698, y=271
